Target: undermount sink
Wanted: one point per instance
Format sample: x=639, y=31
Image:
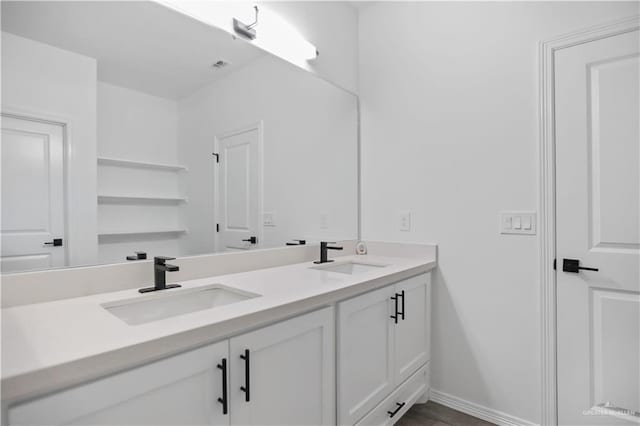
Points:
x=350, y=268
x=171, y=303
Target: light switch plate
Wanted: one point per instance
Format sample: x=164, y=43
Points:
x=518, y=222
x=405, y=221
x=269, y=219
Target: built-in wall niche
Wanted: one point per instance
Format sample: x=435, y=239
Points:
x=139, y=198
x=166, y=153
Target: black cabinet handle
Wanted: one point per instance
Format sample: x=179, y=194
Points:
x=395, y=316
x=247, y=381
x=252, y=240
x=224, y=401
x=394, y=412
x=402, y=313
x=573, y=265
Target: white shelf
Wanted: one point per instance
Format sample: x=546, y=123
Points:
x=139, y=198
x=142, y=232
x=140, y=164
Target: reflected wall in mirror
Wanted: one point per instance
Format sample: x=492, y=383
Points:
x=128, y=127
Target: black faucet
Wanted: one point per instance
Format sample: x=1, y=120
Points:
x=324, y=247
x=160, y=269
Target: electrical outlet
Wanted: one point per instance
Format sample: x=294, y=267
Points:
x=269, y=219
x=324, y=220
x=405, y=221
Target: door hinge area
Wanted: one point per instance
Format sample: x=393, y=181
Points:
x=215, y=154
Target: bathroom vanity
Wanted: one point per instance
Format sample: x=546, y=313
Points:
x=345, y=342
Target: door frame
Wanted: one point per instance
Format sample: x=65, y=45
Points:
x=547, y=202
x=259, y=126
x=63, y=123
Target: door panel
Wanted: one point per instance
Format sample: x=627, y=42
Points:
x=291, y=373
x=597, y=105
x=365, y=353
x=32, y=194
x=411, y=331
x=180, y=390
x=613, y=116
x=239, y=189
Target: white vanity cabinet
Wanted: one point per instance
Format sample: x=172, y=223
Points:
x=183, y=389
x=383, y=339
x=288, y=376
x=290, y=381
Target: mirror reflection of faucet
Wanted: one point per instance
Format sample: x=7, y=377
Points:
x=139, y=255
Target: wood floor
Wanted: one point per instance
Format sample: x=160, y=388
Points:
x=432, y=414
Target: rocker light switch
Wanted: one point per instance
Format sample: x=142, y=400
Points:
x=518, y=223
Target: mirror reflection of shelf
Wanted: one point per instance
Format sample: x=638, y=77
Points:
x=133, y=199
x=107, y=161
x=141, y=232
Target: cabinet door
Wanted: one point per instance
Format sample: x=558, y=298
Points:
x=365, y=353
x=411, y=339
x=180, y=390
x=284, y=374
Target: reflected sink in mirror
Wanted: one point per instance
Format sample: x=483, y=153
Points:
x=141, y=310
x=350, y=268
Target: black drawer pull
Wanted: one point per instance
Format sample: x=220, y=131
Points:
x=224, y=401
x=247, y=381
x=395, y=316
x=402, y=313
x=394, y=412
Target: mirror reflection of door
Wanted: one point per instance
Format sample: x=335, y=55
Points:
x=32, y=194
x=239, y=189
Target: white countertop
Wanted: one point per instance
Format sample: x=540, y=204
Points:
x=51, y=345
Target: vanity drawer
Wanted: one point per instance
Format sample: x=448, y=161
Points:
x=406, y=394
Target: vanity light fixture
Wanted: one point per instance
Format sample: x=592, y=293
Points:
x=277, y=36
x=247, y=30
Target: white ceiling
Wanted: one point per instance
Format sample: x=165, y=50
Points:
x=140, y=45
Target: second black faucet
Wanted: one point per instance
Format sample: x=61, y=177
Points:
x=324, y=247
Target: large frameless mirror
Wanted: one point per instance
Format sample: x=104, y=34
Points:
x=129, y=128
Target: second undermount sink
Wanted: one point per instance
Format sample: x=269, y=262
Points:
x=350, y=268
x=171, y=303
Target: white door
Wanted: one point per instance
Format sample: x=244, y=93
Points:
x=284, y=374
x=239, y=189
x=32, y=195
x=182, y=390
x=411, y=344
x=597, y=195
x=365, y=353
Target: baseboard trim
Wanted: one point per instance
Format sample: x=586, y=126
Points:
x=497, y=417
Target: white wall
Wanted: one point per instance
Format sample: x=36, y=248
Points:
x=42, y=81
x=137, y=126
x=310, y=150
x=450, y=130
x=331, y=26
